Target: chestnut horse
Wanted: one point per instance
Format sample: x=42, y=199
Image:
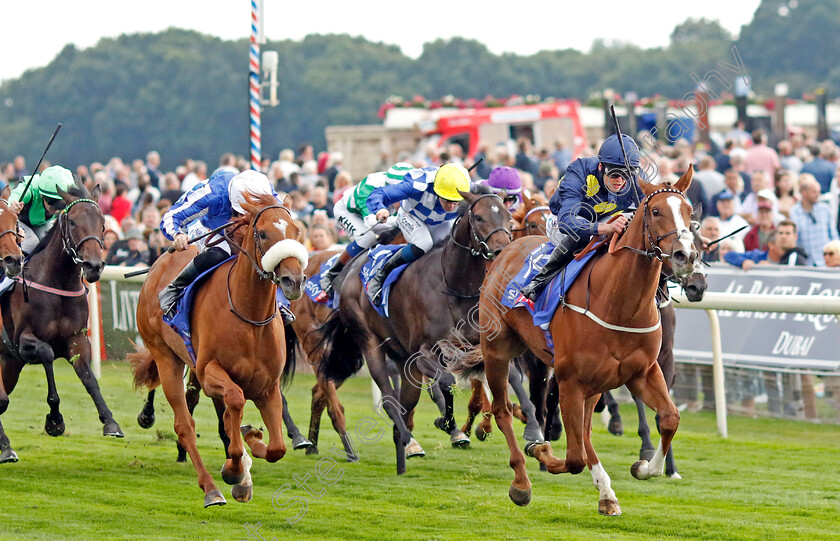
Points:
x=432, y=301
x=46, y=316
x=611, y=342
x=240, y=351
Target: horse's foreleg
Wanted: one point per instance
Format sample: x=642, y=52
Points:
x=571, y=402
x=474, y=407
x=217, y=384
x=651, y=389
x=298, y=441
x=146, y=417
x=193, y=396
x=171, y=373
x=380, y=374
x=607, y=503
x=54, y=425
x=646, y=451
x=615, y=426
x=79, y=351
x=670, y=465
x=9, y=372
x=339, y=422
x=532, y=427
x=409, y=396
x=319, y=403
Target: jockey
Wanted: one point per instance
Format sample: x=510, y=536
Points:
x=592, y=189
x=353, y=216
x=208, y=205
x=507, y=179
x=429, y=203
x=40, y=204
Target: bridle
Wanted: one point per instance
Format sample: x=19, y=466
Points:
x=14, y=231
x=530, y=225
x=261, y=273
x=71, y=247
x=654, y=251
x=482, y=249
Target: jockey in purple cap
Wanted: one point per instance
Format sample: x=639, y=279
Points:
x=507, y=179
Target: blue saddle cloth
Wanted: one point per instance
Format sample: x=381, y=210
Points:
x=313, y=285
x=377, y=258
x=542, y=310
x=180, y=322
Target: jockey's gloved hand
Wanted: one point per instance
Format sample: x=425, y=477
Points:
x=181, y=242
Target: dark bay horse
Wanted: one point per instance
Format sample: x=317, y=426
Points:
x=240, y=345
x=46, y=317
x=432, y=301
x=607, y=334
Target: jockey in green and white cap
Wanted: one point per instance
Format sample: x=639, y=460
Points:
x=38, y=206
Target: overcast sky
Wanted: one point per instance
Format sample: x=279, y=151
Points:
x=35, y=31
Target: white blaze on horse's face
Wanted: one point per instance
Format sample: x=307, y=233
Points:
x=494, y=208
x=686, y=237
x=281, y=225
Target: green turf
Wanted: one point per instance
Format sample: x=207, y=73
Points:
x=771, y=479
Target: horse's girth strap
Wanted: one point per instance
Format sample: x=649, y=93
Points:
x=610, y=326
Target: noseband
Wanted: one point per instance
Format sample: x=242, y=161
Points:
x=258, y=247
x=71, y=247
x=482, y=249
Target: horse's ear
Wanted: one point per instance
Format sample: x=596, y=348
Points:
x=697, y=212
x=287, y=201
x=648, y=187
x=6, y=193
x=685, y=181
x=468, y=197
x=96, y=193
x=64, y=195
x=249, y=204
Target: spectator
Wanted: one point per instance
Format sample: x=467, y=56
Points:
x=301, y=206
x=730, y=245
x=149, y=219
x=788, y=159
x=729, y=221
x=106, y=197
x=734, y=187
x=760, y=157
x=749, y=207
x=813, y=220
x=823, y=166
x=171, y=188
x=737, y=162
x=227, y=162
x=138, y=250
x=138, y=195
x=121, y=206
x=524, y=160
x=20, y=167
x=321, y=237
x=158, y=244
x=561, y=157
x=695, y=193
x=759, y=234
x=343, y=181
x=706, y=174
x=320, y=201
x=781, y=250
x=482, y=170
x=786, y=193
x=197, y=174
x=153, y=168
x=831, y=254
x=710, y=229
x=109, y=236
x=738, y=133
x=722, y=159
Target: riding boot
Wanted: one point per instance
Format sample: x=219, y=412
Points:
x=287, y=314
x=374, y=288
x=561, y=256
x=171, y=293
x=329, y=276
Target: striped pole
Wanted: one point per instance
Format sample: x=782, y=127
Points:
x=254, y=63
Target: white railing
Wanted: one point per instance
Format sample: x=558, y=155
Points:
x=747, y=302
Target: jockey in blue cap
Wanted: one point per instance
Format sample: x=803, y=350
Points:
x=592, y=190
x=507, y=179
x=208, y=205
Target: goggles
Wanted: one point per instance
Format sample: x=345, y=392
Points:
x=619, y=171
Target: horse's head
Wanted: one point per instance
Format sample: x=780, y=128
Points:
x=81, y=226
x=666, y=215
x=694, y=283
x=531, y=217
x=9, y=239
x=277, y=243
x=489, y=223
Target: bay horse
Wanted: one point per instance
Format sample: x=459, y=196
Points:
x=431, y=301
x=240, y=351
x=611, y=342
x=46, y=315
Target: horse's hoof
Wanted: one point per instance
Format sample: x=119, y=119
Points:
x=301, y=443
x=533, y=435
x=517, y=412
x=214, y=497
x=8, y=455
x=312, y=450
x=675, y=475
x=555, y=432
x=616, y=428
x=146, y=421
x=609, y=508
x=441, y=424
x=248, y=429
x=646, y=454
x=481, y=434
x=413, y=449
x=459, y=440
x=231, y=478
x=54, y=429
x=111, y=428
x=519, y=497
x=639, y=470
x=242, y=494
x=531, y=447
x=543, y=467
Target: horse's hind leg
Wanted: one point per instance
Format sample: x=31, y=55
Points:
x=146, y=417
x=298, y=441
x=571, y=401
x=409, y=396
x=79, y=357
x=193, y=395
x=670, y=465
x=9, y=372
x=607, y=503
x=474, y=408
x=646, y=451
x=171, y=372
x=532, y=427
x=651, y=389
x=615, y=426
x=54, y=424
x=336, y=412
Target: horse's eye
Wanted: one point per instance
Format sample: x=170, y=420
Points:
x=654, y=211
x=479, y=219
x=72, y=223
x=263, y=236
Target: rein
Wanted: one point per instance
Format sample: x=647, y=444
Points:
x=261, y=273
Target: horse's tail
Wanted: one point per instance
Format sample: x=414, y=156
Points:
x=342, y=357
x=144, y=369
x=291, y=357
x=464, y=363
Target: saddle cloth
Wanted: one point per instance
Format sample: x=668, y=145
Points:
x=313, y=285
x=377, y=257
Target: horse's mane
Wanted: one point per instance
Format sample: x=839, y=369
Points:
x=241, y=223
x=75, y=191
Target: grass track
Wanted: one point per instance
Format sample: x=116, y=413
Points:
x=770, y=480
